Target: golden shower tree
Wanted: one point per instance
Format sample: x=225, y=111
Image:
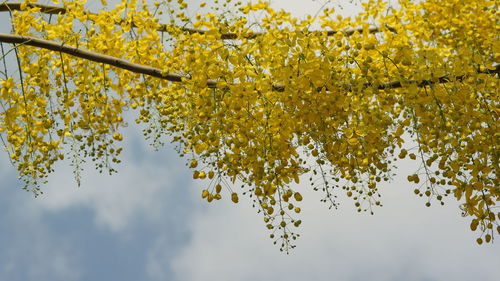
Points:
x=260, y=104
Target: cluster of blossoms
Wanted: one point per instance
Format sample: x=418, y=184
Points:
x=263, y=103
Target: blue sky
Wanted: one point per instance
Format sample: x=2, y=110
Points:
x=148, y=222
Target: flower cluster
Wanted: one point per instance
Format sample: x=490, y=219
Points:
x=263, y=103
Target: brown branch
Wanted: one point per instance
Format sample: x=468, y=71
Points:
x=232, y=36
x=92, y=56
x=156, y=72
x=428, y=82
x=46, y=9
x=399, y=84
x=49, y=9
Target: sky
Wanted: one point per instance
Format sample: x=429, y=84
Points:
x=148, y=222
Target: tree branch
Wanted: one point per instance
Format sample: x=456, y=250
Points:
x=91, y=56
x=156, y=72
x=46, y=9
x=428, y=82
x=49, y=9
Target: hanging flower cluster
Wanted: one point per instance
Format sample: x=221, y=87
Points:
x=263, y=103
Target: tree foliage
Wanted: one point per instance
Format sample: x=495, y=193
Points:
x=263, y=103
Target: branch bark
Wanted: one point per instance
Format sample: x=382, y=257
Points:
x=156, y=72
x=88, y=55
x=50, y=9
x=46, y=9
x=428, y=82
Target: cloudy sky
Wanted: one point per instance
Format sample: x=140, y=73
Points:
x=148, y=222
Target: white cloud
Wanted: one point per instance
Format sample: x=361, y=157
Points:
x=163, y=250
x=30, y=251
x=145, y=189
x=403, y=240
x=136, y=191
